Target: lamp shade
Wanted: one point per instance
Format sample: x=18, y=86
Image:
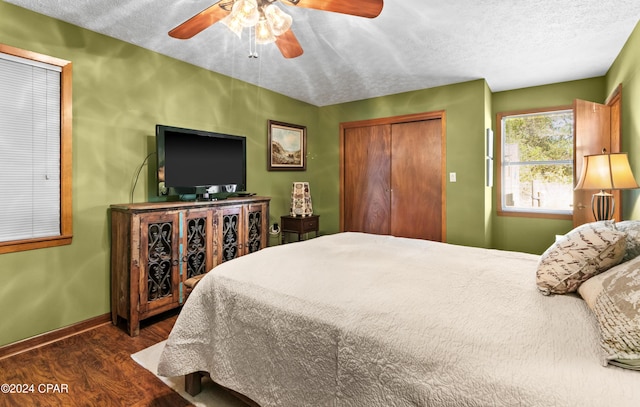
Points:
x=606, y=171
x=263, y=33
x=278, y=20
x=301, y=200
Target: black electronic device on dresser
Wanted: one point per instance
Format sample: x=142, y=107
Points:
x=206, y=164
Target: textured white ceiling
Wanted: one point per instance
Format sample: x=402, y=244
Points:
x=413, y=44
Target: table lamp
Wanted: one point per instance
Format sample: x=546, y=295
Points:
x=301, y=200
x=605, y=172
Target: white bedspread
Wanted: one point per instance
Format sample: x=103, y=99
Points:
x=363, y=320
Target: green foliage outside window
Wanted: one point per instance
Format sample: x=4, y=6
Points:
x=537, y=161
x=542, y=137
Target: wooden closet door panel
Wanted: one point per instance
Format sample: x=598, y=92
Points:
x=366, y=179
x=416, y=180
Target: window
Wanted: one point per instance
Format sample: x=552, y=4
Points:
x=536, y=163
x=35, y=150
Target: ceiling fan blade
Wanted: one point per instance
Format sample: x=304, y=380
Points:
x=288, y=44
x=199, y=22
x=360, y=8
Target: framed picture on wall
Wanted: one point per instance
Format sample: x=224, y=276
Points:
x=489, y=141
x=287, y=147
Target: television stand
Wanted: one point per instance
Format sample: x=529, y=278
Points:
x=157, y=246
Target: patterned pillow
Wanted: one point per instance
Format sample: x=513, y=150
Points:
x=617, y=308
x=632, y=229
x=582, y=253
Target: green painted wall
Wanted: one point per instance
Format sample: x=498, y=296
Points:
x=534, y=235
x=465, y=121
x=120, y=92
x=626, y=71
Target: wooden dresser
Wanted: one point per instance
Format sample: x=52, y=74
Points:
x=156, y=247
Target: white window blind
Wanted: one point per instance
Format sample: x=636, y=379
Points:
x=29, y=149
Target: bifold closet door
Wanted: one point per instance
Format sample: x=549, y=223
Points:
x=367, y=171
x=393, y=179
x=416, y=179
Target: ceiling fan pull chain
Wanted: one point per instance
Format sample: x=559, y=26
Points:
x=253, y=52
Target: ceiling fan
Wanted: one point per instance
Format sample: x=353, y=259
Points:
x=271, y=24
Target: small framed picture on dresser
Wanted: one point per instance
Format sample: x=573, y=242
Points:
x=287, y=147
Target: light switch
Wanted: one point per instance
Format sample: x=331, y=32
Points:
x=452, y=177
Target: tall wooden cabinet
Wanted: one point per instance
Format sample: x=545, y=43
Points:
x=392, y=176
x=156, y=247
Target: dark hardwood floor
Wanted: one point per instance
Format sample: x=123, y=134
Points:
x=93, y=368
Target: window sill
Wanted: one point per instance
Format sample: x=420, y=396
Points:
x=537, y=215
x=30, y=244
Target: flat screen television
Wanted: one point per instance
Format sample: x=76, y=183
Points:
x=201, y=163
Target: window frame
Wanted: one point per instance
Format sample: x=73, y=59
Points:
x=524, y=213
x=66, y=217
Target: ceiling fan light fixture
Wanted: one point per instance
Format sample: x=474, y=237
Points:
x=278, y=20
x=245, y=13
x=263, y=33
x=249, y=12
x=234, y=24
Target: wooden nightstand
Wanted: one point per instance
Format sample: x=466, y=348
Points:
x=299, y=225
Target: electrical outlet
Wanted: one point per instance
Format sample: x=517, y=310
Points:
x=452, y=177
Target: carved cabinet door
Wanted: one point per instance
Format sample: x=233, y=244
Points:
x=240, y=230
x=159, y=276
x=229, y=233
x=257, y=221
x=198, y=250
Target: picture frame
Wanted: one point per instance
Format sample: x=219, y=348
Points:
x=287, y=147
x=489, y=143
x=489, y=169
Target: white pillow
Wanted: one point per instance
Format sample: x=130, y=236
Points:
x=582, y=253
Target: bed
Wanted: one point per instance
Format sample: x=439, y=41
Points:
x=354, y=319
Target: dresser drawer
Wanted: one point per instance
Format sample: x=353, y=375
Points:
x=309, y=225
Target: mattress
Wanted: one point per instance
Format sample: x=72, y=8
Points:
x=354, y=319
